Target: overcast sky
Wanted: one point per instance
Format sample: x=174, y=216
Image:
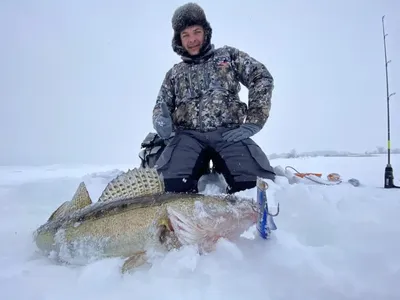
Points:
x=78, y=79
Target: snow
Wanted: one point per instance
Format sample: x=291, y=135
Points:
x=332, y=242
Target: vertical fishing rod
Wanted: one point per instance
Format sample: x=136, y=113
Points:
x=389, y=169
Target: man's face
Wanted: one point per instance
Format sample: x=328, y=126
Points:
x=192, y=39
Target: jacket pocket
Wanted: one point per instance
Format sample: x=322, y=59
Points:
x=166, y=155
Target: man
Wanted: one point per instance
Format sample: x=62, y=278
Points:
x=199, y=102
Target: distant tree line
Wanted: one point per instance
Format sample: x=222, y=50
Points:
x=383, y=150
x=329, y=153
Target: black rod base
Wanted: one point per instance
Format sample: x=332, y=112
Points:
x=389, y=178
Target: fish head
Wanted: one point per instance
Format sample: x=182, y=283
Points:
x=204, y=221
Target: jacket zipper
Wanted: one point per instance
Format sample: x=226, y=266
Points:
x=193, y=93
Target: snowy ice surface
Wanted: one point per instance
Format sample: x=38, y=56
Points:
x=332, y=242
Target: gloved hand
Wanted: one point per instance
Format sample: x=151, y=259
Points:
x=243, y=132
x=163, y=123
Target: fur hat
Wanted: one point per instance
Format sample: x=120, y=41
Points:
x=188, y=15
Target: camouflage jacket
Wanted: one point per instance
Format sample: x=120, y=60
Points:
x=205, y=95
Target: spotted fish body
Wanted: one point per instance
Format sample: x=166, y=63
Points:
x=134, y=215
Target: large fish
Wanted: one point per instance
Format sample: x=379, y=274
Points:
x=134, y=216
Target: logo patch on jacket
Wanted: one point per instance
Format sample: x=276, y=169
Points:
x=223, y=63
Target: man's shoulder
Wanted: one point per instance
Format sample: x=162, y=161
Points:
x=226, y=49
x=172, y=71
x=176, y=67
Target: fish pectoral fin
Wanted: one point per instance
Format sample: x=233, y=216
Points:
x=191, y=232
x=80, y=200
x=134, y=261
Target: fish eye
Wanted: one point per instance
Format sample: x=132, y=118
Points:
x=162, y=233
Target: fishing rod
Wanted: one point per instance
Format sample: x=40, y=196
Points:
x=389, y=177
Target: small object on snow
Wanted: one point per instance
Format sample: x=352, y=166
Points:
x=302, y=175
x=314, y=177
x=354, y=182
x=265, y=220
x=334, y=177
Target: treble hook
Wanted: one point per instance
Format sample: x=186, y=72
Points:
x=274, y=215
x=257, y=210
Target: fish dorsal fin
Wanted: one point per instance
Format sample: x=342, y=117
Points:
x=80, y=200
x=81, y=197
x=133, y=183
x=59, y=212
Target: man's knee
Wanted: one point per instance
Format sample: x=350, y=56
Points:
x=179, y=164
x=179, y=156
x=237, y=186
x=247, y=158
x=180, y=185
x=244, y=162
x=250, y=182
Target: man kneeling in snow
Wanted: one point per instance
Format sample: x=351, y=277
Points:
x=199, y=102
